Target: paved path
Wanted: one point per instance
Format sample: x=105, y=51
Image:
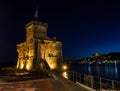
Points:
x=57, y=83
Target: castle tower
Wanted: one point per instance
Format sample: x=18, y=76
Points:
x=38, y=46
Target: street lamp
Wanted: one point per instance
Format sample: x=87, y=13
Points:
x=64, y=67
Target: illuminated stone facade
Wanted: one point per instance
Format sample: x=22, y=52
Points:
x=38, y=47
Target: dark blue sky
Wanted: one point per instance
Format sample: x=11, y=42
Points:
x=83, y=26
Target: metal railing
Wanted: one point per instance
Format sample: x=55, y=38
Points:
x=94, y=82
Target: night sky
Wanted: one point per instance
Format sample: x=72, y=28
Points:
x=83, y=26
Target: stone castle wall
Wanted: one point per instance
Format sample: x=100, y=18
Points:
x=38, y=46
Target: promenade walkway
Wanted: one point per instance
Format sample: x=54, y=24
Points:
x=54, y=83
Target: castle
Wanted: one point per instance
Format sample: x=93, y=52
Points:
x=38, y=47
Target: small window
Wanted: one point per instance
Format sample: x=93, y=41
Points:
x=31, y=40
x=28, y=50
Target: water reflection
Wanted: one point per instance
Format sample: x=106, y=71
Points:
x=116, y=70
x=89, y=69
x=65, y=74
x=106, y=70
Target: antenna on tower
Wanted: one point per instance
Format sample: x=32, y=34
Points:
x=36, y=14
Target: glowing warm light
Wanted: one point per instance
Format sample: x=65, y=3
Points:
x=28, y=67
x=17, y=65
x=52, y=66
x=21, y=65
x=64, y=67
x=37, y=47
x=22, y=73
x=65, y=75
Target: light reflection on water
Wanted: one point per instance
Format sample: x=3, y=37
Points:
x=116, y=70
x=65, y=74
x=89, y=69
x=106, y=70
